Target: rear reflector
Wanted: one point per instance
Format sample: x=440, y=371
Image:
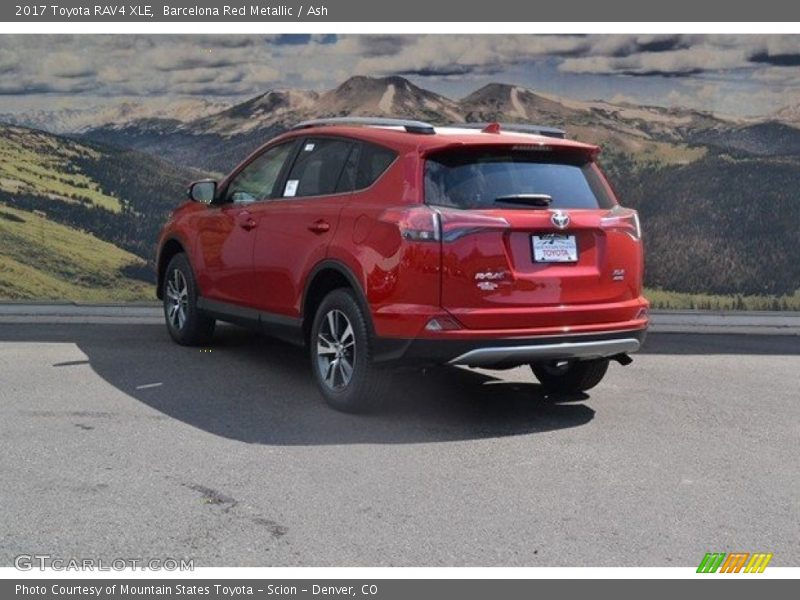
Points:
x=443, y=323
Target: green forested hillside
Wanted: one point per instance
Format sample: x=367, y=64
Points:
x=119, y=195
x=721, y=225
x=79, y=220
x=37, y=163
x=40, y=259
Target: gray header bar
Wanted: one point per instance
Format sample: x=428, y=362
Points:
x=246, y=11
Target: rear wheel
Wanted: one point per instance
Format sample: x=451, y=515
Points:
x=570, y=376
x=341, y=355
x=186, y=323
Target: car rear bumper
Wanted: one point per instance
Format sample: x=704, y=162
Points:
x=510, y=351
x=528, y=353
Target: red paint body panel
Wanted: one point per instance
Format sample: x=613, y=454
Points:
x=223, y=253
x=286, y=249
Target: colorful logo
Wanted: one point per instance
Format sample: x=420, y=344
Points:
x=734, y=562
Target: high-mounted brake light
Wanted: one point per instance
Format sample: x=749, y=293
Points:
x=623, y=219
x=532, y=148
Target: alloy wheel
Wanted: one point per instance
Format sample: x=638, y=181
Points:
x=177, y=299
x=336, y=350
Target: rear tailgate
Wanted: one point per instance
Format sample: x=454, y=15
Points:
x=572, y=259
x=490, y=279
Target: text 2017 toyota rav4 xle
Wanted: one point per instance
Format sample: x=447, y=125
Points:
x=379, y=240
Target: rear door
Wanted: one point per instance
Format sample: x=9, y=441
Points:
x=295, y=227
x=525, y=237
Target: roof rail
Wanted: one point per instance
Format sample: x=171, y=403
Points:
x=553, y=132
x=409, y=125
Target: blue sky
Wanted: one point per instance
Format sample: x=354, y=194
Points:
x=735, y=75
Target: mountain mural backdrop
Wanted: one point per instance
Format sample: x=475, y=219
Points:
x=718, y=196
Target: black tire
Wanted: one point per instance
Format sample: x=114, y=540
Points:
x=570, y=377
x=367, y=384
x=195, y=328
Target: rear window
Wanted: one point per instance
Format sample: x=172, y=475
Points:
x=482, y=179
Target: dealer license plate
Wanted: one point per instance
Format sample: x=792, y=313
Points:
x=554, y=248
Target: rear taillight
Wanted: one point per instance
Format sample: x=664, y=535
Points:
x=623, y=219
x=427, y=224
x=416, y=224
x=459, y=223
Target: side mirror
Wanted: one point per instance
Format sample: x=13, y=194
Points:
x=203, y=191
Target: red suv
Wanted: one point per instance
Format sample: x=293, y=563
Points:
x=376, y=240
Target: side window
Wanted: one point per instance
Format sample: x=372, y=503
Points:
x=374, y=161
x=317, y=168
x=347, y=180
x=256, y=181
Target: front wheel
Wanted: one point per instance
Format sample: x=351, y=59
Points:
x=341, y=355
x=570, y=376
x=186, y=324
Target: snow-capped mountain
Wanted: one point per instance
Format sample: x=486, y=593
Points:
x=387, y=96
x=211, y=136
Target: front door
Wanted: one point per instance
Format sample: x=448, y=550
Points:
x=227, y=232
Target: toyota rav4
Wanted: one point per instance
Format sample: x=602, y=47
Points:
x=372, y=241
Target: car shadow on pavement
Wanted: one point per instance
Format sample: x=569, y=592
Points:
x=258, y=390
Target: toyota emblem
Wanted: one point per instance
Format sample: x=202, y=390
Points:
x=560, y=219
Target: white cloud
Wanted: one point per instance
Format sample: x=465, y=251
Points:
x=203, y=65
x=67, y=65
x=703, y=57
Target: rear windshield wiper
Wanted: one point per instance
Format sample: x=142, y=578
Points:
x=527, y=199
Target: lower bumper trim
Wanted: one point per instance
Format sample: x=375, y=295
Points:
x=495, y=355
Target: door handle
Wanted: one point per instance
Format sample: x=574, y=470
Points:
x=320, y=226
x=245, y=221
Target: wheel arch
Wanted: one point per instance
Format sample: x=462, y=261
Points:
x=326, y=276
x=169, y=248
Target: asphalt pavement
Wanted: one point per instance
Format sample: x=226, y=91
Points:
x=118, y=443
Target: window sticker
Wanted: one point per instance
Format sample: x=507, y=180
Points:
x=291, y=188
x=308, y=147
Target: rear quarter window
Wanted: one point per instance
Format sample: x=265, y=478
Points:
x=373, y=162
x=364, y=166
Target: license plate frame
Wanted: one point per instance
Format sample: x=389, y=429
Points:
x=554, y=248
